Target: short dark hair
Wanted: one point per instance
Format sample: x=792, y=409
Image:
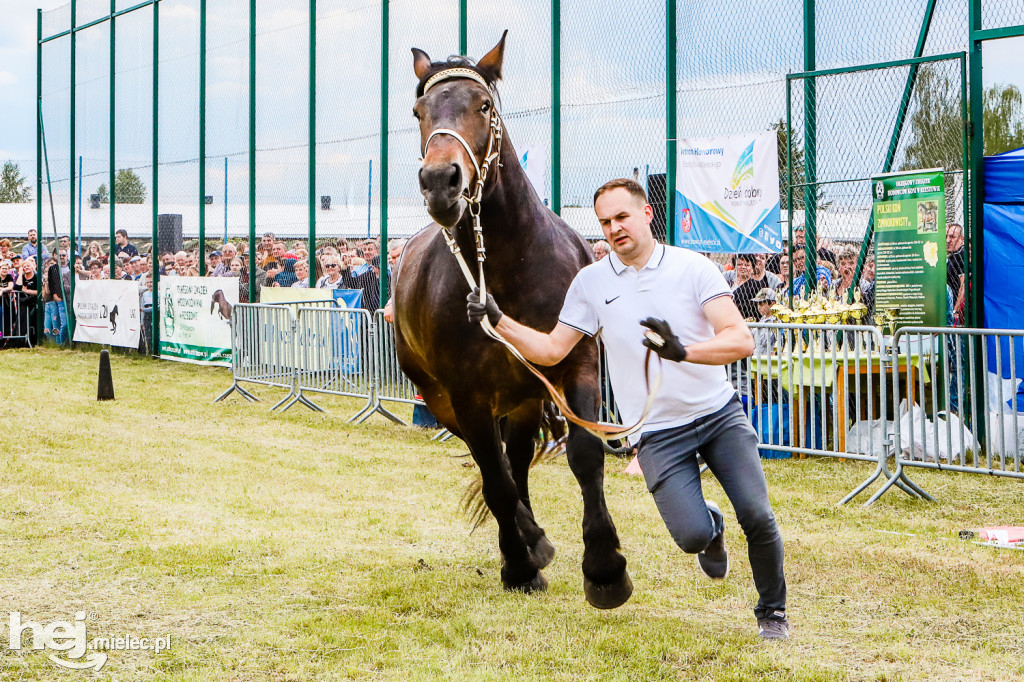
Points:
x=123, y=233
x=628, y=184
x=749, y=257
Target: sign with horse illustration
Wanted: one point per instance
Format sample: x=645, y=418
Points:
x=107, y=312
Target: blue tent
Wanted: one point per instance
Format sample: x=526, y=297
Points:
x=1004, y=254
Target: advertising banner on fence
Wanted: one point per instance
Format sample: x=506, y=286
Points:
x=727, y=194
x=195, y=319
x=910, y=248
x=107, y=311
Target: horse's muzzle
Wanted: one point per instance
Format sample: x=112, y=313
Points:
x=442, y=186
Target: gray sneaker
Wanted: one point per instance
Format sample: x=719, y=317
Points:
x=714, y=560
x=773, y=627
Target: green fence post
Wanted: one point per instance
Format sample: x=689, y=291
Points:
x=155, y=249
x=252, y=151
x=202, y=138
x=556, y=106
x=42, y=270
x=894, y=140
x=670, y=121
x=463, y=27
x=70, y=304
x=976, y=226
x=789, y=186
x=111, y=173
x=385, y=20
x=312, y=143
x=810, y=153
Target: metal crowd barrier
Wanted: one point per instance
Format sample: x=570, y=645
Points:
x=264, y=352
x=339, y=355
x=392, y=384
x=16, y=316
x=964, y=411
x=937, y=398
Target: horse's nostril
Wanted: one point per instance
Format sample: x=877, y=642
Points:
x=455, y=177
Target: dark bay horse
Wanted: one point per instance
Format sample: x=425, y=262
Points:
x=470, y=382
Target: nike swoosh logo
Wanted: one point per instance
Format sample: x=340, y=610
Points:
x=609, y=300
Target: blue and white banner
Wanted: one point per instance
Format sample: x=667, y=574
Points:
x=727, y=194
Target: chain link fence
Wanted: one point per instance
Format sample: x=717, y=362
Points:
x=731, y=77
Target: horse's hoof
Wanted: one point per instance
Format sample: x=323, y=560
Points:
x=609, y=596
x=538, y=584
x=543, y=552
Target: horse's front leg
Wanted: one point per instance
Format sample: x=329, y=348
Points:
x=519, y=569
x=606, y=583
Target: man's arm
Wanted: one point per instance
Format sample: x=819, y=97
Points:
x=538, y=347
x=732, y=340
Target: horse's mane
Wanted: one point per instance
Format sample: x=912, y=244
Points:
x=458, y=61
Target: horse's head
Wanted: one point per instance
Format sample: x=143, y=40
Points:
x=459, y=129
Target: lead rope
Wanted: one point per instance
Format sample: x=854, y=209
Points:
x=605, y=432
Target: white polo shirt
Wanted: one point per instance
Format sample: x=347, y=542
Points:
x=610, y=299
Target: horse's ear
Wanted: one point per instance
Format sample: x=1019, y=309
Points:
x=420, y=62
x=491, y=62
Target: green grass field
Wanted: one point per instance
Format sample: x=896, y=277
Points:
x=298, y=547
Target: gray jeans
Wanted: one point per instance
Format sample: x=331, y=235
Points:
x=728, y=443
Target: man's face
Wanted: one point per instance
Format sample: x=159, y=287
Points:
x=64, y=258
x=799, y=264
x=869, y=269
x=31, y=236
x=120, y=239
x=370, y=250
x=278, y=251
x=267, y=241
x=799, y=239
x=954, y=238
x=65, y=242
x=229, y=253
x=214, y=261
x=625, y=221
x=394, y=254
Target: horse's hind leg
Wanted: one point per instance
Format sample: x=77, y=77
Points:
x=519, y=569
x=606, y=583
x=520, y=431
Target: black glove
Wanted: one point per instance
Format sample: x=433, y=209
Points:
x=662, y=341
x=476, y=310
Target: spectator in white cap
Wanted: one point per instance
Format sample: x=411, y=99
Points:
x=764, y=339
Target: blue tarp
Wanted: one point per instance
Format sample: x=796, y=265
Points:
x=1004, y=253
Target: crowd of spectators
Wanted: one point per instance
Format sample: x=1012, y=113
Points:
x=757, y=280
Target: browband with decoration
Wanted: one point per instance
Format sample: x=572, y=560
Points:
x=454, y=73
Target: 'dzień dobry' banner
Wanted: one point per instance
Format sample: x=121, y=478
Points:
x=195, y=318
x=727, y=194
x=910, y=248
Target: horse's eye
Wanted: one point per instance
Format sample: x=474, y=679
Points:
x=416, y=114
x=486, y=107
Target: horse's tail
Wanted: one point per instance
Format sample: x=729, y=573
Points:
x=550, y=443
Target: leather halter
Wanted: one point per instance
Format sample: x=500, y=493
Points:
x=605, y=432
